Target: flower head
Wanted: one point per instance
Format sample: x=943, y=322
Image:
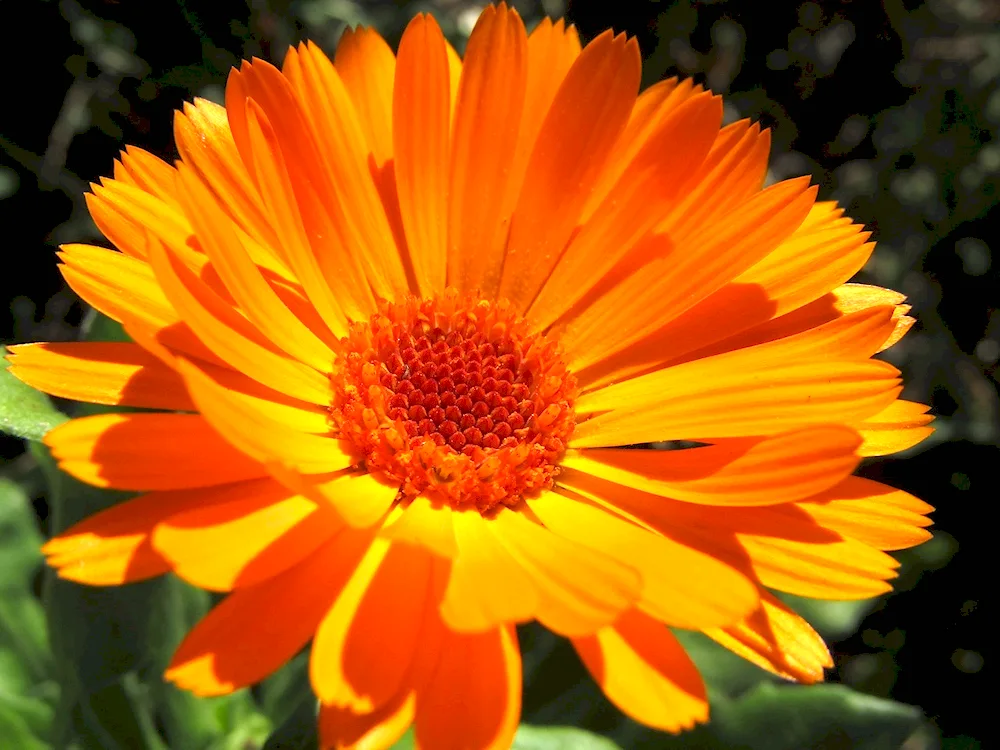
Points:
x=408, y=324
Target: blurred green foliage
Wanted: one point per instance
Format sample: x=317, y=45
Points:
x=893, y=108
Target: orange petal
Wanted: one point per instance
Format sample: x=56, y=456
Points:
x=899, y=426
x=656, y=104
x=580, y=588
x=732, y=174
x=866, y=327
x=468, y=604
x=148, y=173
x=125, y=213
x=367, y=67
x=100, y=373
x=243, y=537
x=751, y=471
x=587, y=116
x=357, y=211
x=425, y=523
x=286, y=210
x=552, y=50
x=632, y=207
x=485, y=139
x=113, y=547
x=686, y=273
x=245, y=280
x=680, y=585
x=644, y=671
x=364, y=646
x=258, y=435
x=230, y=335
x=474, y=697
x=421, y=117
x=125, y=289
x=206, y=144
x=880, y=516
x=818, y=256
x=776, y=639
x=256, y=629
x=148, y=452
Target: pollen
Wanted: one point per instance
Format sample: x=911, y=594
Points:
x=456, y=399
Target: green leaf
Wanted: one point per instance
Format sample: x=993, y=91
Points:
x=298, y=731
x=284, y=691
x=24, y=412
x=27, y=693
x=559, y=738
x=790, y=717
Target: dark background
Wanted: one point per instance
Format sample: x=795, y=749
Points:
x=893, y=108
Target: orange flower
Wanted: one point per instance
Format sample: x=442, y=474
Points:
x=399, y=314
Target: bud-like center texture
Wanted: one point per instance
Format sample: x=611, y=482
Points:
x=455, y=399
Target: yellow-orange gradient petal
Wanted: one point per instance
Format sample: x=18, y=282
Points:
x=421, y=148
x=474, y=697
x=681, y=585
x=120, y=374
x=245, y=280
x=749, y=471
x=113, y=547
x=242, y=535
x=260, y=435
x=255, y=630
x=644, y=671
x=363, y=649
x=230, y=335
x=899, y=426
x=125, y=289
x=778, y=640
x=148, y=452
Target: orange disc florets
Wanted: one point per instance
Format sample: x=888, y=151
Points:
x=454, y=398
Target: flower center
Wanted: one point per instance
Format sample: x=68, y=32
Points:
x=456, y=399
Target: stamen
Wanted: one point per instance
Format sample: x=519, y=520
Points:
x=453, y=397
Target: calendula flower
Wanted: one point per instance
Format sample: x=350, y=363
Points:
x=407, y=325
